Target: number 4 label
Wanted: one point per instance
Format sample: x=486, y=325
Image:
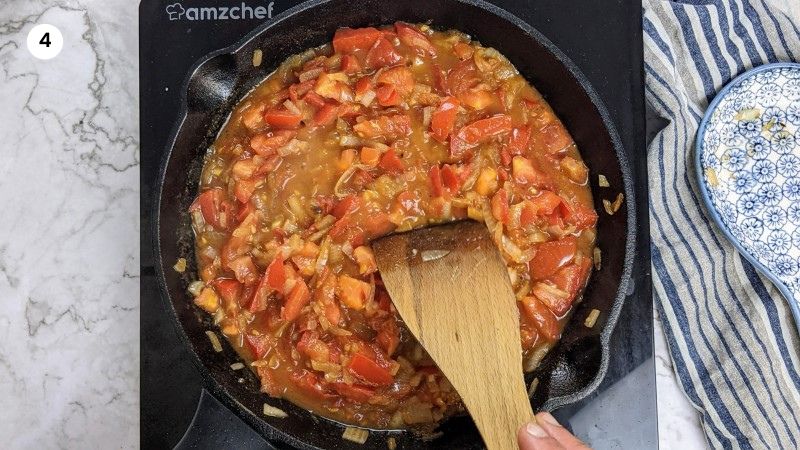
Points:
x=45, y=41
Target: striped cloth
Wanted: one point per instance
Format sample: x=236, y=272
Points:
x=735, y=347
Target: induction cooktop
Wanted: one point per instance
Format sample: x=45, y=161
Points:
x=603, y=38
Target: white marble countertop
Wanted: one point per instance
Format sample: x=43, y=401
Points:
x=69, y=263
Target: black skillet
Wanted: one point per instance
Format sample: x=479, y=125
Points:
x=572, y=370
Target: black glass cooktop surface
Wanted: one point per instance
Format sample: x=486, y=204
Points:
x=602, y=38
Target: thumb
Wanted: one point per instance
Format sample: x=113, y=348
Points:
x=532, y=436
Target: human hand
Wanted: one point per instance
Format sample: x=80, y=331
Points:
x=547, y=434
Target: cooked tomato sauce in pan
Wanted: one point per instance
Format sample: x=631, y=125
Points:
x=383, y=131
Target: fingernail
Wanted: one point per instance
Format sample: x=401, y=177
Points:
x=547, y=417
x=535, y=430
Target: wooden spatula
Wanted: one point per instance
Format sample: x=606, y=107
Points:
x=451, y=288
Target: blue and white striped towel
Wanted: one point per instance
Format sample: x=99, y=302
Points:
x=731, y=335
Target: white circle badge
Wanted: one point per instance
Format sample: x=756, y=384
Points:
x=45, y=41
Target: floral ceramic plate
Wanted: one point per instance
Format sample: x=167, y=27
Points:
x=748, y=165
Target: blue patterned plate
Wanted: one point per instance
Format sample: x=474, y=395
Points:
x=747, y=158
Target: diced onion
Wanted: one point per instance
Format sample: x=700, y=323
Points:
x=292, y=108
x=602, y=181
x=310, y=74
x=346, y=177
x=272, y=411
x=427, y=115
x=350, y=141
x=368, y=97
x=357, y=435
x=532, y=362
x=391, y=443
x=258, y=55
x=237, y=366
x=431, y=255
x=195, y=287
x=180, y=265
x=597, y=256
x=591, y=319
x=215, y=344
x=533, y=386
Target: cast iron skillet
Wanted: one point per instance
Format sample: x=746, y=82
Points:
x=572, y=369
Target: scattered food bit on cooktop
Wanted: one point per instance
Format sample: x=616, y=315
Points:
x=383, y=131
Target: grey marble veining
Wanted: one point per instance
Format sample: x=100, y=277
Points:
x=69, y=236
x=69, y=250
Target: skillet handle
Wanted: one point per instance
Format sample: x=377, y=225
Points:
x=214, y=426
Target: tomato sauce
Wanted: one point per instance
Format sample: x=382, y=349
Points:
x=382, y=131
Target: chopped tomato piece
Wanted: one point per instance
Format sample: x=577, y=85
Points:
x=325, y=115
x=311, y=346
x=229, y=290
x=275, y=275
x=365, y=260
x=352, y=292
x=370, y=156
x=363, y=85
x=500, y=209
x=356, y=392
x=298, y=298
x=369, y=371
x=389, y=127
x=540, y=206
x=244, y=190
x=350, y=64
x=348, y=40
x=314, y=99
x=281, y=118
x=400, y=78
x=555, y=138
x=444, y=118
x=575, y=170
x=542, y=318
x=557, y=300
x=266, y=144
x=572, y=278
x=378, y=224
x=450, y=178
x=581, y=216
x=410, y=36
x=477, y=99
x=311, y=384
x=518, y=140
x=382, y=54
x=210, y=204
x=462, y=77
x=463, y=50
x=551, y=256
x=477, y=132
x=258, y=344
x=523, y=172
x=387, y=95
x=346, y=206
x=388, y=336
x=325, y=294
x=392, y=163
x=244, y=269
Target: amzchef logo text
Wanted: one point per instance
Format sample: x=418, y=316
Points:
x=176, y=11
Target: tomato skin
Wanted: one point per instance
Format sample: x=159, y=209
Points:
x=400, y=78
x=382, y=54
x=369, y=371
x=348, y=40
x=280, y=118
x=477, y=132
x=500, y=209
x=542, y=318
x=298, y=298
x=462, y=77
x=410, y=36
x=392, y=163
x=551, y=256
x=444, y=118
x=555, y=138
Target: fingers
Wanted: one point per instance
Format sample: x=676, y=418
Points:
x=547, y=434
x=559, y=433
x=532, y=436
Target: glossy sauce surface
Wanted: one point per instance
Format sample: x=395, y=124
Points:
x=385, y=130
